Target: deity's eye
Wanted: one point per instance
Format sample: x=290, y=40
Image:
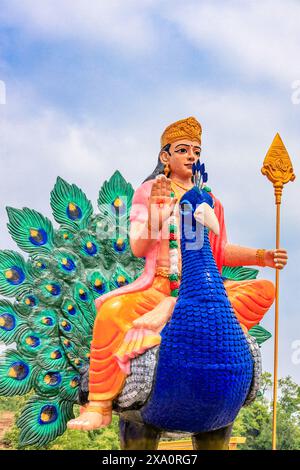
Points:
x=182, y=150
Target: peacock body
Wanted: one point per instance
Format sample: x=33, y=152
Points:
x=203, y=345
x=47, y=325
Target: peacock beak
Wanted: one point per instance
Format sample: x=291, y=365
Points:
x=206, y=216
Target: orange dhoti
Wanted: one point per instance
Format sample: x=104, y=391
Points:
x=250, y=300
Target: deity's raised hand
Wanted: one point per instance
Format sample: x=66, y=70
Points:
x=161, y=204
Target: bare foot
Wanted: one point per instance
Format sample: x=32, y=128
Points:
x=90, y=420
x=157, y=318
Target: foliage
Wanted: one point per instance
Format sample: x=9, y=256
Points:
x=255, y=421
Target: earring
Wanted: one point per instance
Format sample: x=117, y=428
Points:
x=166, y=169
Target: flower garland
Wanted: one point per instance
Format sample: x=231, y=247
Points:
x=173, y=251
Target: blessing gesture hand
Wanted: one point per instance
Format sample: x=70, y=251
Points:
x=161, y=204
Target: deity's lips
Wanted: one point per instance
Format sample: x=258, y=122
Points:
x=189, y=166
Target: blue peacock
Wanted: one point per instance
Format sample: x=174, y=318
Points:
x=47, y=325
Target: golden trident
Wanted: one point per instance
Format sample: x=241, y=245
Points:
x=278, y=168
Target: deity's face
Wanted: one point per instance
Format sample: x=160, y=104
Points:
x=182, y=154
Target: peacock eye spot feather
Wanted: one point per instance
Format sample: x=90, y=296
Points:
x=73, y=211
x=66, y=325
x=53, y=289
x=83, y=294
x=15, y=275
x=48, y=321
x=118, y=202
x=77, y=361
x=74, y=382
x=68, y=264
x=30, y=301
x=48, y=414
x=7, y=322
x=18, y=371
x=67, y=343
x=122, y=281
x=33, y=341
x=71, y=309
x=65, y=236
x=90, y=248
x=119, y=245
x=56, y=355
x=52, y=378
x=38, y=237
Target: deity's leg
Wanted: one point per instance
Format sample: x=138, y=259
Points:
x=213, y=440
x=137, y=436
x=250, y=299
x=113, y=321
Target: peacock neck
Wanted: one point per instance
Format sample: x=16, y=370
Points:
x=200, y=276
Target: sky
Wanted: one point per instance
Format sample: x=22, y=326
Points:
x=88, y=87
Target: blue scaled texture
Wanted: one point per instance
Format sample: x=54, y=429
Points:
x=205, y=367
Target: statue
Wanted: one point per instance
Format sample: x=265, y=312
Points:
x=190, y=311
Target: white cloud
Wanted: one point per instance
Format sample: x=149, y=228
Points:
x=121, y=24
x=258, y=39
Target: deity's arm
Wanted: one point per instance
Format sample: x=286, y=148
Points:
x=141, y=238
x=236, y=255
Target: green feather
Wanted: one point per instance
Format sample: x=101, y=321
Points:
x=67, y=265
x=11, y=324
x=26, y=304
x=70, y=206
x=14, y=276
x=50, y=291
x=74, y=354
x=31, y=343
x=97, y=283
x=16, y=374
x=85, y=301
x=119, y=278
x=40, y=265
x=31, y=231
x=44, y=321
x=239, y=273
x=70, y=385
x=74, y=315
x=260, y=334
x=88, y=248
x=53, y=357
x=43, y=419
x=115, y=197
x=48, y=382
x=63, y=238
x=69, y=330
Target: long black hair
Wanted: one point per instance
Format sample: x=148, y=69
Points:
x=159, y=169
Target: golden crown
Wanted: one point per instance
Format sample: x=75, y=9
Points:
x=188, y=128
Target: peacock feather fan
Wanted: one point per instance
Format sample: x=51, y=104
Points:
x=51, y=320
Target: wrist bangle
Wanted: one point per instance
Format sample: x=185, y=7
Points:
x=260, y=257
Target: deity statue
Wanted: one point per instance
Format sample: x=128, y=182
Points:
x=129, y=321
x=184, y=325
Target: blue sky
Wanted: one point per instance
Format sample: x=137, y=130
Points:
x=90, y=86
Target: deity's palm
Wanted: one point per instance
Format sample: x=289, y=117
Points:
x=161, y=204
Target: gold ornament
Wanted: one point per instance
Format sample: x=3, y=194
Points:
x=167, y=170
